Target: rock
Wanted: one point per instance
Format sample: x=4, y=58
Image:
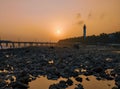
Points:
x=109, y=77
x=52, y=77
x=87, y=79
x=51, y=47
x=117, y=81
x=98, y=78
x=98, y=69
x=109, y=59
x=79, y=79
x=69, y=82
x=79, y=86
x=74, y=74
x=53, y=86
x=2, y=84
x=88, y=73
x=115, y=87
x=11, y=78
x=20, y=85
x=62, y=84
x=76, y=46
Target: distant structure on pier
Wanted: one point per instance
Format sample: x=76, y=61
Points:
x=84, y=32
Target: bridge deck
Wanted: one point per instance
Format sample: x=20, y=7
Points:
x=14, y=44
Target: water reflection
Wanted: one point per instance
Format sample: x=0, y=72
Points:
x=89, y=82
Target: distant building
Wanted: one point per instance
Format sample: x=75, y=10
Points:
x=84, y=32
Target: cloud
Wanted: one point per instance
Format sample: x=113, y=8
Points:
x=78, y=16
x=79, y=20
x=102, y=16
x=89, y=15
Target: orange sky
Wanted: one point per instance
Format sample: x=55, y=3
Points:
x=51, y=20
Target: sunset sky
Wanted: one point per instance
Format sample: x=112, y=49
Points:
x=51, y=20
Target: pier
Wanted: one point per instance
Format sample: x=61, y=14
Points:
x=17, y=44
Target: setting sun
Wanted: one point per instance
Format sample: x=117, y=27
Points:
x=58, y=32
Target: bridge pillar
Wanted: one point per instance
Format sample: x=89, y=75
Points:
x=10, y=45
x=25, y=44
x=13, y=45
x=37, y=44
x=1, y=45
x=18, y=45
x=31, y=44
x=6, y=44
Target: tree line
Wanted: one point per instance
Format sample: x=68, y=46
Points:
x=103, y=38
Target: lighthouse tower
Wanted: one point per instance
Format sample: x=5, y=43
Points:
x=84, y=32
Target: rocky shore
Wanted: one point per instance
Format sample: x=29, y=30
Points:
x=18, y=67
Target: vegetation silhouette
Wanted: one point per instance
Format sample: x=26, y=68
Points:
x=103, y=38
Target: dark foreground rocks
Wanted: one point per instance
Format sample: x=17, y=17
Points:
x=18, y=67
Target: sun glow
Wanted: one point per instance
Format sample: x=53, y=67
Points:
x=58, y=31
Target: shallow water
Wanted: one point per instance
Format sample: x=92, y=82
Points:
x=44, y=83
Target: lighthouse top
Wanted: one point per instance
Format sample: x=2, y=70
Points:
x=84, y=26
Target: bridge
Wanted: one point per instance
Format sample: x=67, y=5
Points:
x=17, y=44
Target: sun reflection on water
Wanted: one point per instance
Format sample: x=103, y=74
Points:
x=44, y=83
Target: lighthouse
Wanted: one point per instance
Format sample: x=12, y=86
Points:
x=84, y=32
